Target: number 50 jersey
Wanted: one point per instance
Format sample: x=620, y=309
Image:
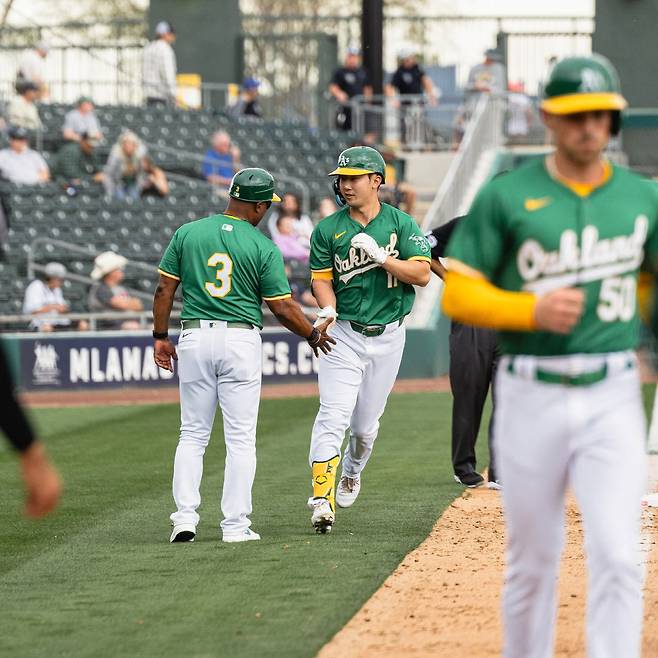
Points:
x=226, y=268
x=528, y=230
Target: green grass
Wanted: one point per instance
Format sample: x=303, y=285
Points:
x=100, y=579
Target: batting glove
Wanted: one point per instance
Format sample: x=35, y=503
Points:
x=368, y=244
x=323, y=314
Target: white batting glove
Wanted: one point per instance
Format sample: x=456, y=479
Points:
x=323, y=314
x=368, y=244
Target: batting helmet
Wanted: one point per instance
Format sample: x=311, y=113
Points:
x=359, y=160
x=581, y=84
x=254, y=185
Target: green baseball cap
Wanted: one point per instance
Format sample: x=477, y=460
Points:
x=359, y=160
x=253, y=184
x=581, y=84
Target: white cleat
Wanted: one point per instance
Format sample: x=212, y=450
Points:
x=245, y=535
x=347, y=490
x=183, y=532
x=495, y=485
x=323, y=516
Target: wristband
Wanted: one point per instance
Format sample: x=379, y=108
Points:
x=160, y=335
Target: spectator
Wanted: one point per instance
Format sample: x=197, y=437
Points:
x=159, y=67
x=108, y=295
x=82, y=120
x=301, y=224
x=348, y=81
x=396, y=191
x=291, y=246
x=154, y=181
x=248, y=105
x=32, y=68
x=489, y=76
x=22, y=110
x=77, y=161
x=44, y=300
x=326, y=207
x=221, y=160
x=519, y=112
x=124, y=173
x=19, y=163
x=409, y=81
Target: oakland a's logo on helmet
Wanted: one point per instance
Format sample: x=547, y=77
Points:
x=591, y=80
x=343, y=160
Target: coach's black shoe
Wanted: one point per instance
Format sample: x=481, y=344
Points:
x=470, y=480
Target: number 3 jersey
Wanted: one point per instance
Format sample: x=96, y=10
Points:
x=527, y=230
x=226, y=267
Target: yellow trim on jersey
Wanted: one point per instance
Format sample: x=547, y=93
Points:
x=573, y=103
x=426, y=258
x=581, y=189
x=171, y=276
x=475, y=301
x=322, y=275
x=274, y=299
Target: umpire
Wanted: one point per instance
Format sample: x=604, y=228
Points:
x=473, y=362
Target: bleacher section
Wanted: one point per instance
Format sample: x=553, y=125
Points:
x=141, y=229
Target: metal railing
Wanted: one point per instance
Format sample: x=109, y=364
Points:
x=484, y=132
x=143, y=318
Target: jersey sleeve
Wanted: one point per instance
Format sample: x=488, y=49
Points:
x=320, y=259
x=651, y=244
x=412, y=243
x=273, y=280
x=170, y=263
x=479, y=239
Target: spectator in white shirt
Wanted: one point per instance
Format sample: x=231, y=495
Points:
x=22, y=110
x=159, y=67
x=44, y=300
x=19, y=163
x=519, y=111
x=32, y=68
x=82, y=120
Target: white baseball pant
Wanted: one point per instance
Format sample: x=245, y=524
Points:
x=355, y=380
x=217, y=364
x=591, y=438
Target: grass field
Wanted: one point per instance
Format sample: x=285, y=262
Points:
x=100, y=579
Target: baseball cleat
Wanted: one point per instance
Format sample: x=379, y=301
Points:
x=323, y=516
x=183, y=532
x=470, y=480
x=347, y=490
x=494, y=484
x=245, y=535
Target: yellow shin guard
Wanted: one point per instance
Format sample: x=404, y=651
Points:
x=324, y=479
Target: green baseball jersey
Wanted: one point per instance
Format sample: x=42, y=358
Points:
x=366, y=293
x=226, y=267
x=528, y=231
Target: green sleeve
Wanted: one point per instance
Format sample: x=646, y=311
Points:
x=170, y=263
x=321, y=258
x=412, y=243
x=479, y=240
x=273, y=279
x=651, y=244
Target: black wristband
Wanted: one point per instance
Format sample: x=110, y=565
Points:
x=158, y=335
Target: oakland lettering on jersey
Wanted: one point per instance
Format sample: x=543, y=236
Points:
x=357, y=262
x=597, y=258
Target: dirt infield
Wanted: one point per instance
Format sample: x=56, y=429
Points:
x=121, y=396
x=444, y=599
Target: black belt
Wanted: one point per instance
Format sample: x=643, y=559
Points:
x=196, y=324
x=370, y=330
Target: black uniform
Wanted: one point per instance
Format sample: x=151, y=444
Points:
x=13, y=422
x=408, y=80
x=353, y=83
x=473, y=361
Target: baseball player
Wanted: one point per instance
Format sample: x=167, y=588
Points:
x=226, y=268
x=550, y=254
x=365, y=260
x=473, y=362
